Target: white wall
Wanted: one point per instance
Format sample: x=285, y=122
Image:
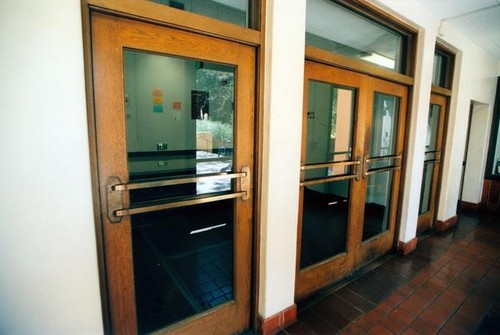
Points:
x=284, y=63
x=474, y=79
x=477, y=152
x=48, y=264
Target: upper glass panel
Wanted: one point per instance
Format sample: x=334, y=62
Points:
x=232, y=11
x=432, y=128
x=330, y=120
x=384, y=125
x=334, y=28
x=441, y=71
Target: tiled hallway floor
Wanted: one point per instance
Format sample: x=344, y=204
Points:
x=449, y=285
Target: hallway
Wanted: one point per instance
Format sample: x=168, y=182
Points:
x=449, y=285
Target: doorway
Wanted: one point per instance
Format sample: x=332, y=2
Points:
x=434, y=144
x=174, y=119
x=352, y=145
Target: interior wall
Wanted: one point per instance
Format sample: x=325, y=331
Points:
x=474, y=80
x=175, y=78
x=48, y=264
x=476, y=153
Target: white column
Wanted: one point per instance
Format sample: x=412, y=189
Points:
x=283, y=92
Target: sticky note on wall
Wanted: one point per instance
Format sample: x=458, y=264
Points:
x=157, y=98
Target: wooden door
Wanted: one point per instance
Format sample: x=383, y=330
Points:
x=353, y=133
x=432, y=163
x=174, y=119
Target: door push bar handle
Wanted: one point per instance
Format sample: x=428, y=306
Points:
x=115, y=191
x=397, y=164
x=355, y=175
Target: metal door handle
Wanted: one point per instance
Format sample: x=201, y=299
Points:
x=115, y=189
x=396, y=166
x=355, y=175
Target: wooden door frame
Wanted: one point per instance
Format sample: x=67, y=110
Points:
x=427, y=220
x=385, y=241
x=357, y=251
x=306, y=281
x=164, y=16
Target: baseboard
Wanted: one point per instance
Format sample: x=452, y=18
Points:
x=470, y=205
x=406, y=247
x=278, y=321
x=447, y=224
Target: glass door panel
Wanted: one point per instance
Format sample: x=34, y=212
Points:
x=330, y=122
x=433, y=145
x=175, y=160
x=380, y=163
x=183, y=257
x=430, y=157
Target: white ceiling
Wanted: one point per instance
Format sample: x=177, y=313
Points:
x=478, y=20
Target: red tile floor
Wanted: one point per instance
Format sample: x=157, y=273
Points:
x=449, y=285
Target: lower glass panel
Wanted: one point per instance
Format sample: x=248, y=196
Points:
x=425, y=195
x=324, y=223
x=183, y=262
x=377, y=205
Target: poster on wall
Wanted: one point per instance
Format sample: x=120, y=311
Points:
x=199, y=105
x=157, y=100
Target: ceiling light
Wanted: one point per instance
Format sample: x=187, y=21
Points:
x=379, y=60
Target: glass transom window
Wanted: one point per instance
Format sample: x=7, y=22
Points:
x=337, y=29
x=232, y=11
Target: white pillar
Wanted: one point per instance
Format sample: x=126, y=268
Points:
x=283, y=95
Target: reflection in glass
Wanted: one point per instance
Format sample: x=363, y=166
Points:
x=330, y=120
x=232, y=11
x=432, y=128
x=425, y=194
x=329, y=26
x=382, y=146
x=384, y=125
x=179, y=122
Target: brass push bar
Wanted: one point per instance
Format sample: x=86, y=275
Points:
x=355, y=175
x=330, y=164
x=176, y=204
x=397, y=164
x=115, y=191
x=177, y=181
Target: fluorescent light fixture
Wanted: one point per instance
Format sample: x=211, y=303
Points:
x=379, y=60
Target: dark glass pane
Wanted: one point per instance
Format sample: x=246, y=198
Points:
x=324, y=222
x=232, y=11
x=425, y=196
x=377, y=205
x=179, y=116
x=334, y=28
x=439, y=71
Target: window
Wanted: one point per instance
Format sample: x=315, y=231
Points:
x=232, y=11
x=336, y=28
x=443, y=67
